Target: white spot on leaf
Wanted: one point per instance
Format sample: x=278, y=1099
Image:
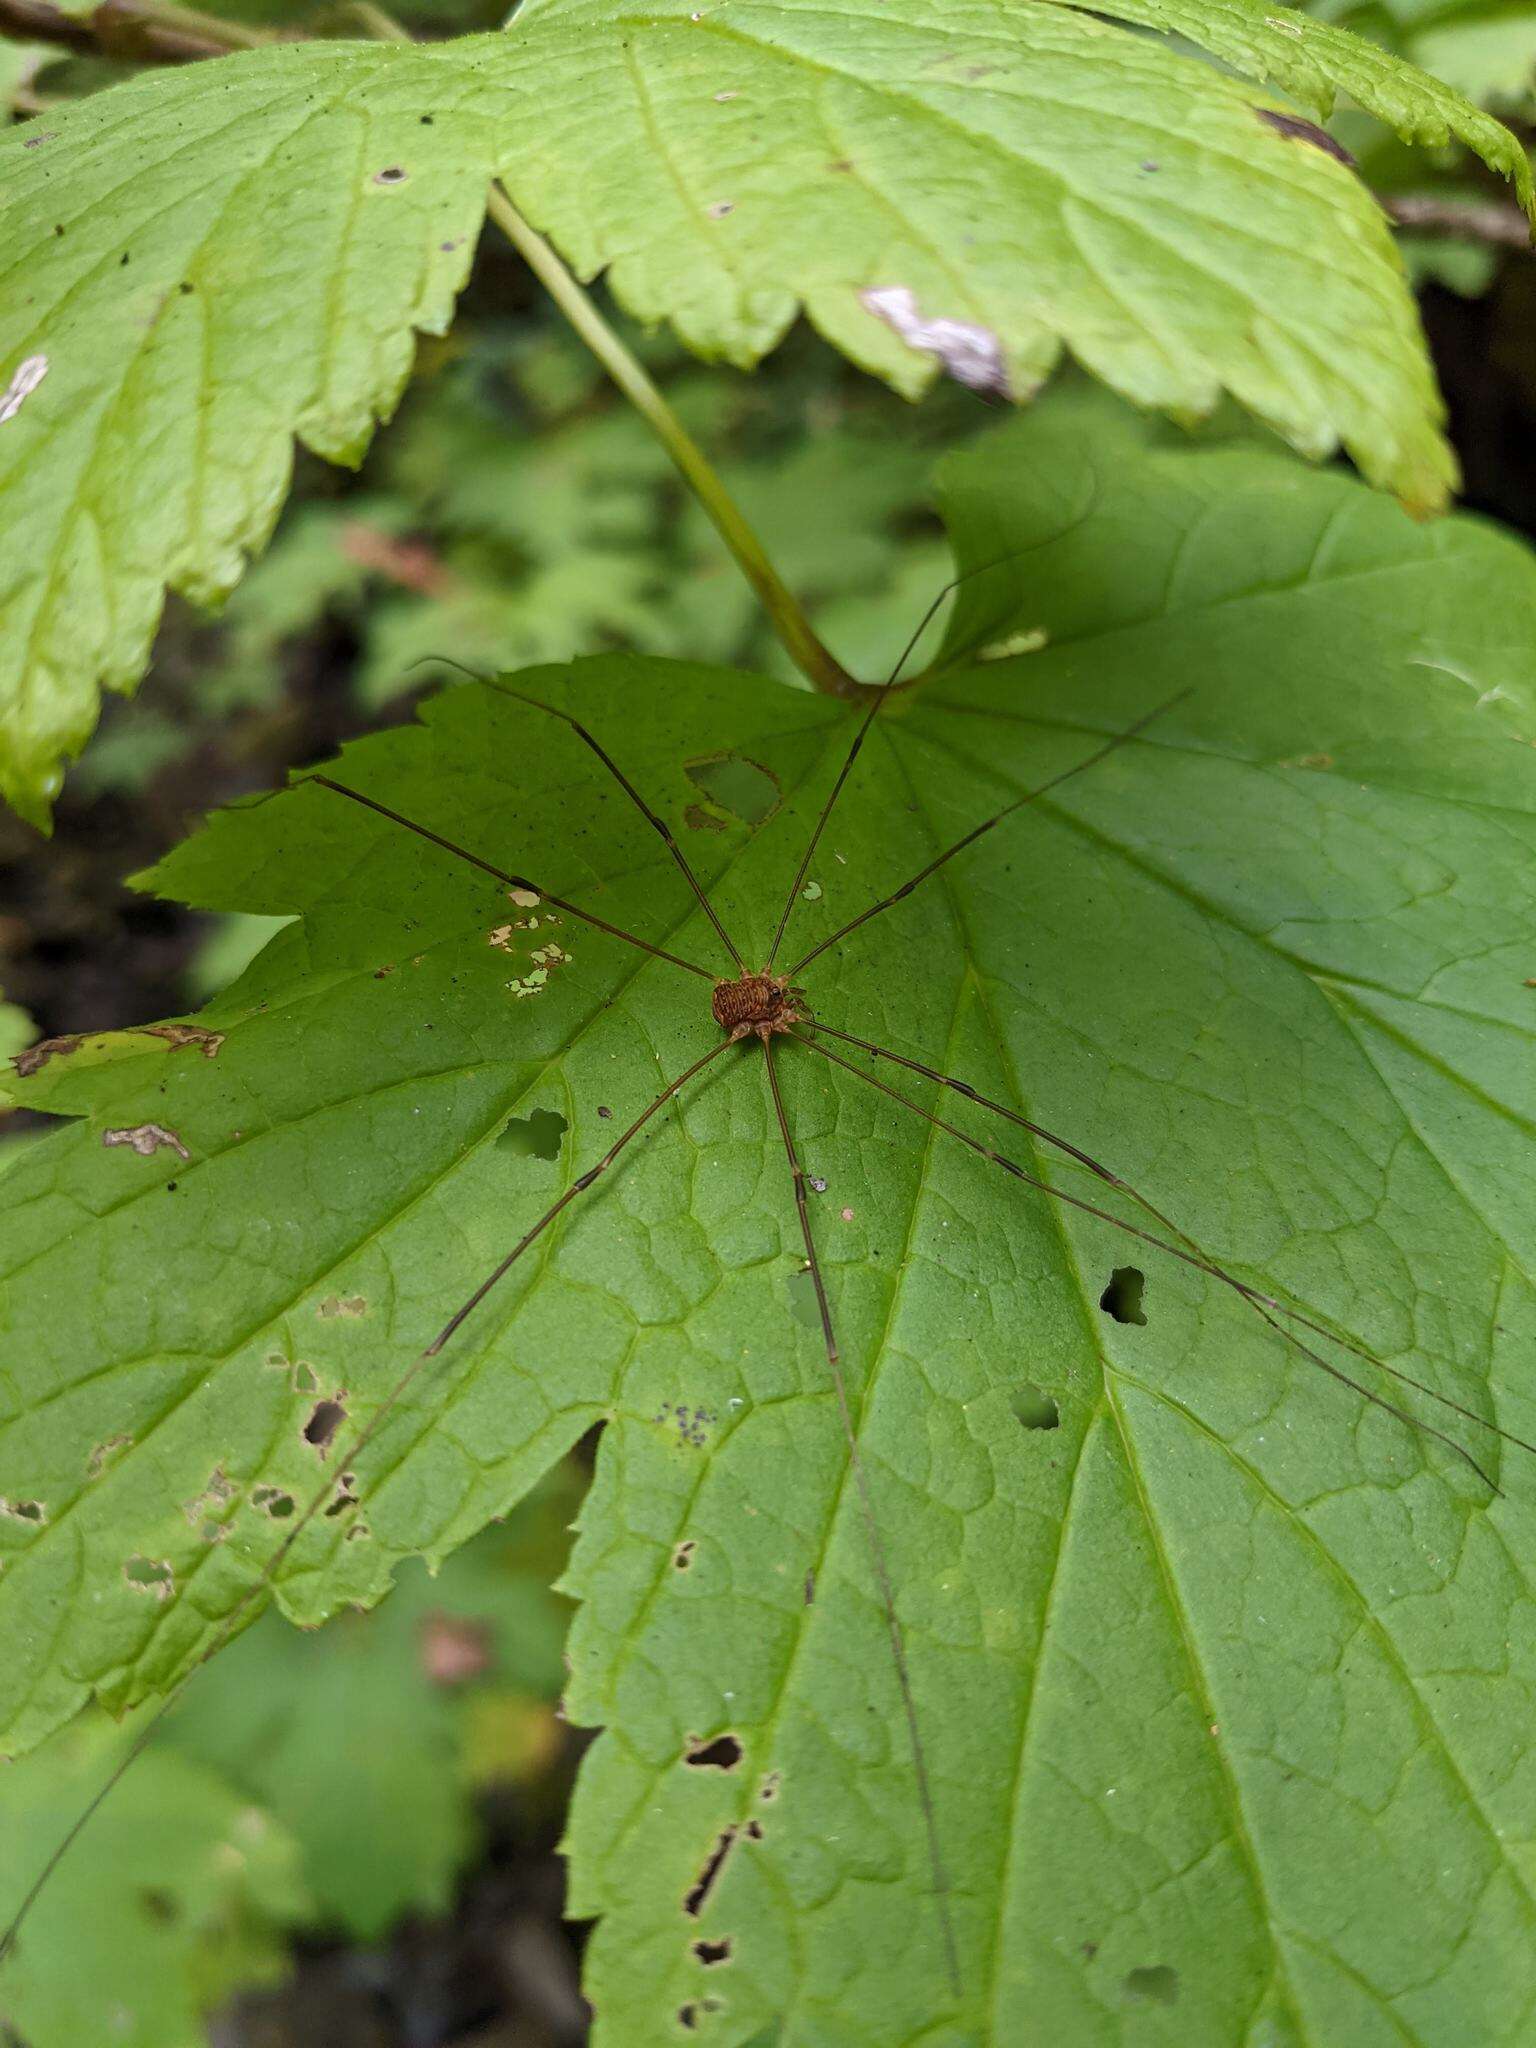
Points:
x=24, y=381
x=971, y=353
x=146, y=1139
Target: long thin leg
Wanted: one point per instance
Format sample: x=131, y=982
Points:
x=240, y=1611
x=872, y=1530
x=1175, y=1251
x=987, y=825
x=512, y=881
x=954, y=583
x=1196, y=1255
x=659, y=824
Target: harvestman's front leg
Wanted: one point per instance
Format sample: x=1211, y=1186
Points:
x=872, y=1530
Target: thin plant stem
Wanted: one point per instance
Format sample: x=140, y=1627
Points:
x=814, y=661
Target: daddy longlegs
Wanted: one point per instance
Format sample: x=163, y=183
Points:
x=764, y=1006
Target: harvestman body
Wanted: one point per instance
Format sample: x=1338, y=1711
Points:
x=770, y=1007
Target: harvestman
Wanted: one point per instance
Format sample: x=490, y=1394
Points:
x=765, y=1005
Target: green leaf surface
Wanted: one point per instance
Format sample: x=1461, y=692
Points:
x=204, y=264
x=182, y=1897
x=1220, y=1680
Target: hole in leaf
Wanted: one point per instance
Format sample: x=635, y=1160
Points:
x=346, y=1497
x=1156, y=1985
x=682, y=1557
x=704, y=1883
x=273, y=1501
x=534, y=1137
x=802, y=1298
x=1122, y=1297
x=325, y=1418
x=711, y=1952
x=1033, y=1407
x=748, y=791
x=24, y=1510
x=722, y=1754
x=150, y=1575
x=392, y=174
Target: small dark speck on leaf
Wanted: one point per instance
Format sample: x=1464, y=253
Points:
x=841, y=163
x=1122, y=1297
x=720, y=208
x=1034, y=1408
x=682, y=1557
x=427, y=120
x=1155, y=1985
x=171, y=1186
x=754, y=1831
x=605, y=1112
x=159, y=1905
x=722, y=1754
x=711, y=1952
x=325, y=1418
x=534, y=1137
x=1297, y=130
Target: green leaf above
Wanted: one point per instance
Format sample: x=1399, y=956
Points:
x=1218, y=1678
x=204, y=264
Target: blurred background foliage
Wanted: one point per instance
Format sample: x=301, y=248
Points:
x=351, y=1837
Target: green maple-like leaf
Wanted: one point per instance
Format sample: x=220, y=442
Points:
x=204, y=264
x=1219, y=1679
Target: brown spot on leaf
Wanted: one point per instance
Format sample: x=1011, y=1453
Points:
x=218, y=1493
x=37, y=1056
x=146, y=1139
x=178, y=1035
x=105, y=1454
x=697, y=819
x=454, y=1650
x=1297, y=130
